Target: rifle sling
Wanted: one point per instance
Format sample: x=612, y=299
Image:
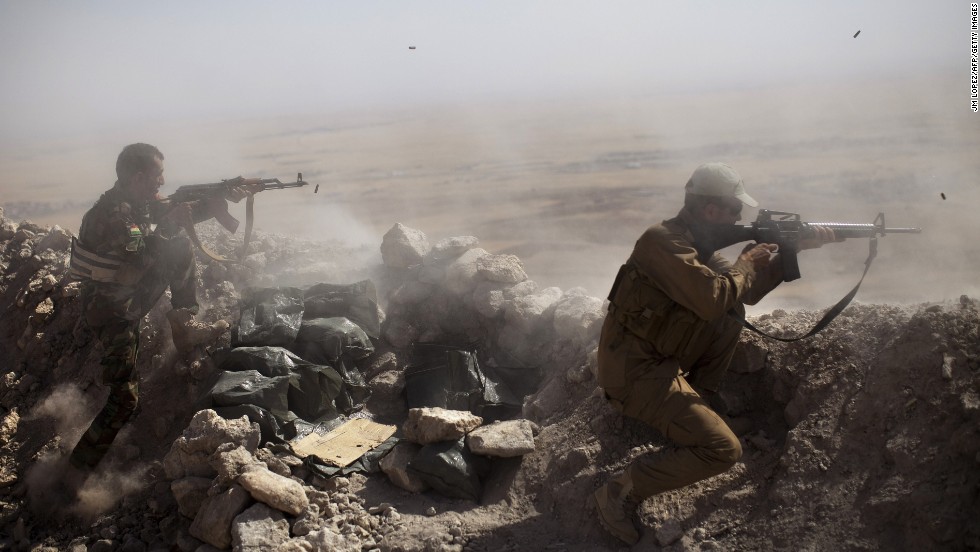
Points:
x=829, y=316
x=249, y=217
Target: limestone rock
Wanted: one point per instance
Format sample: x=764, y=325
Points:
x=57, y=239
x=507, y=269
x=276, y=465
x=431, y=425
x=395, y=466
x=7, y=230
x=526, y=312
x=402, y=247
x=190, y=452
x=461, y=274
x=579, y=317
x=527, y=287
x=488, y=299
x=450, y=248
x=230, y=461
x=190, y=493
x=328, y=539
x=259, y=528
x=502, y=439
x=281, y=493
x=212, y=524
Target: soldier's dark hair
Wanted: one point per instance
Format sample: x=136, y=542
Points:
x=136, y=158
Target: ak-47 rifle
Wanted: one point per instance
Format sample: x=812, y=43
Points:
x=197, y=192
x=786, y=230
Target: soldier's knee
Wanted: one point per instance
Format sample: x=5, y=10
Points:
x=728, y=450
x=722, y=452
x=125, y=399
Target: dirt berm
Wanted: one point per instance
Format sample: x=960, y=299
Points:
x=865, y=437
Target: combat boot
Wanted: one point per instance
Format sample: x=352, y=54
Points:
x=616, y=506
x=189, y=333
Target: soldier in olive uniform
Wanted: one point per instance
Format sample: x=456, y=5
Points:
x=129, y=250
x=667, y=342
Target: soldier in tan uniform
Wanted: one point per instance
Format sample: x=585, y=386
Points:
x=130, y=249
x=667, y=340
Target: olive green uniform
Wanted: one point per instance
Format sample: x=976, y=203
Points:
x=139, y=263
x=667, y=329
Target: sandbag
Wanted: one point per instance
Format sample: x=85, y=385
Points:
x=355, y=392
x=251, y=387
x=450, y=377
x=268, y=361
x=327, y=340
x=369, y=463
x=451, y=469
x=313, y=391
x=269, y=316
x=312, y=388
x=357, y=302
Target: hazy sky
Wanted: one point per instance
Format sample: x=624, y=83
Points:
x=74, y=68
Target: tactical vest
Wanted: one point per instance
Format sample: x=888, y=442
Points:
x=639, y=305
x=87, y=265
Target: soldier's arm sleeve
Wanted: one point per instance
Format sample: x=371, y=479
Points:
x=765, y=280
x=673, y=263
x=121, y=235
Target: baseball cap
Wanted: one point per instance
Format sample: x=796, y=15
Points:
x=718, y=180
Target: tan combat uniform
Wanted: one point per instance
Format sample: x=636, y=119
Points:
x=668, y=318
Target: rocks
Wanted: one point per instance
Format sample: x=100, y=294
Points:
x=461, y=274
x=190, y=493
x=190, y=453
x=213, y=521
x=402, y=247
x=525, y=312
x=431, y=425
x=56, y=239
x=579, y=317
x=502, y=439
x=229, y=461
x=507, y=269
x=281, y=493
x=395, y=466
x=450, y=248
x=259, y=528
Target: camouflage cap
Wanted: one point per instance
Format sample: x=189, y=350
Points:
x=718, y=180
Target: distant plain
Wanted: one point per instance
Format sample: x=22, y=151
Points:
x=569, y=185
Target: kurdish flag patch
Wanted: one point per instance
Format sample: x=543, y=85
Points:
x=134, y=231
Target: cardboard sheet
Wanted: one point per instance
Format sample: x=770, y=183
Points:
x=346, y=443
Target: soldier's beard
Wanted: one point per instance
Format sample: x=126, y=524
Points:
x=712, y=236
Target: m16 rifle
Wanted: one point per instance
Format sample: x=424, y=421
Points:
x=224, y=189
x=786, y=230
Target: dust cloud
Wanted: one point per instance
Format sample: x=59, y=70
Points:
x=569, y=185
x=68, y=407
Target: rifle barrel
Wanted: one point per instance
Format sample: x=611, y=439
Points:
x=857, y=230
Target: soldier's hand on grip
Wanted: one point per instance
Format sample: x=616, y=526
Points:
x=759, y=254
